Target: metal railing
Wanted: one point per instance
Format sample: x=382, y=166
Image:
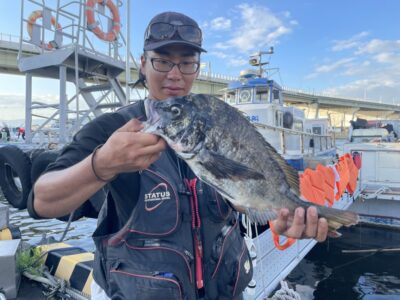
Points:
x=320, y=142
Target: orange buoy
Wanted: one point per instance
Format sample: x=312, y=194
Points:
x=37, y=14
x=93, y=25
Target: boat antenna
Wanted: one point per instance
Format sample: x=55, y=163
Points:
x=256, y=60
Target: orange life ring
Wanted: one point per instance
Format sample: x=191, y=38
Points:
x=92, y=24
x=37, y=14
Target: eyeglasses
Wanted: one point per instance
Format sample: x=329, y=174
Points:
x=164, y=65
x=164, y=31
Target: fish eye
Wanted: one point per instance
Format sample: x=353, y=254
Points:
x=176, y=111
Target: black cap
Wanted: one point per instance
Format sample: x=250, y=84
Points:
x=173, y=18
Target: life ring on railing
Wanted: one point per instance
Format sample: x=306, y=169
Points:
x=93, y=25
x=37, y=14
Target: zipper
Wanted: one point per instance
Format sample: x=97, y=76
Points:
x=196, y=228
x=157, y=244
x=225, y=233
x=155, y=275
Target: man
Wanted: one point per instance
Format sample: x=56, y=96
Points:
x=162, y=234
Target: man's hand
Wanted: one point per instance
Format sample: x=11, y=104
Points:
x=127, y=150
x=299, y=227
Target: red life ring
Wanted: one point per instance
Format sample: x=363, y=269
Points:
x=37, y=14
x=92, y=25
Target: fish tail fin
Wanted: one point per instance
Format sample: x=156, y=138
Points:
x=337, y=218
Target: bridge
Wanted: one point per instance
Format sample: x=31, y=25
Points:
x=315, y=105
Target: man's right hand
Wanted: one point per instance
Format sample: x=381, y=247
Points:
x=128, y=150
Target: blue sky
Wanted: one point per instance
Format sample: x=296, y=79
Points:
x=343, y=47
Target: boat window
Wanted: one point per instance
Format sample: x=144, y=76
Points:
x=262, y=96
x=298, y=125
x=317, y=130
x=276, y=96
x=245, y=95
x=230, y=98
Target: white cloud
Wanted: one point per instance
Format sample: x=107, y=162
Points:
x=230, y=59
x=327, y=68
x=379, y=46
x=352, y=42
x=12, y=105
x=220, y=23
x=372, y=72
x=256, y=28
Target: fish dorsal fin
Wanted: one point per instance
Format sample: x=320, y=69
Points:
x=222, y=167
x=291, y=174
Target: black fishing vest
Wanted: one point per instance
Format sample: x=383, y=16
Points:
x=182, y=241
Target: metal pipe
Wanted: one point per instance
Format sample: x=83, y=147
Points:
x=28, y=108
x=128, y=52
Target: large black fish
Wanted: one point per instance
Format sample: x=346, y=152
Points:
x=227, y=152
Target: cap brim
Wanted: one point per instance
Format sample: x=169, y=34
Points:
x=157, y=45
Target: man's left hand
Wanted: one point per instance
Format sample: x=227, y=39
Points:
x=301, y=227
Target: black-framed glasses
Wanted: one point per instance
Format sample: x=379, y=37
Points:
x=165, y=65
x=163, y=31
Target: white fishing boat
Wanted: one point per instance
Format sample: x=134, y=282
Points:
x=379, y=148
x=299, y=140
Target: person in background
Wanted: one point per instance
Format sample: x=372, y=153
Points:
x=6, y=130
x=162, y=233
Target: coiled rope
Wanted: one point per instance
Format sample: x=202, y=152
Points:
x=285, y=293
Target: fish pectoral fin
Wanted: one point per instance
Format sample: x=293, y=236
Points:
x=222, y=167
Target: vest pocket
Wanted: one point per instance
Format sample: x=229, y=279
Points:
x=134, y=281
x=218, y=207
x=231, y=262
x=158, y=211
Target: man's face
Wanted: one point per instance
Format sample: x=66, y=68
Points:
x=163, y=85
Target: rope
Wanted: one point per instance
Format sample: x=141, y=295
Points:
x=71, y=216
x=56, y=287
x=285, y=293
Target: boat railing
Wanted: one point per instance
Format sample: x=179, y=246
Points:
x=310, y=143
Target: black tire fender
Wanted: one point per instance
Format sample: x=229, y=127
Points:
x=15, y=175
x=33, y=154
